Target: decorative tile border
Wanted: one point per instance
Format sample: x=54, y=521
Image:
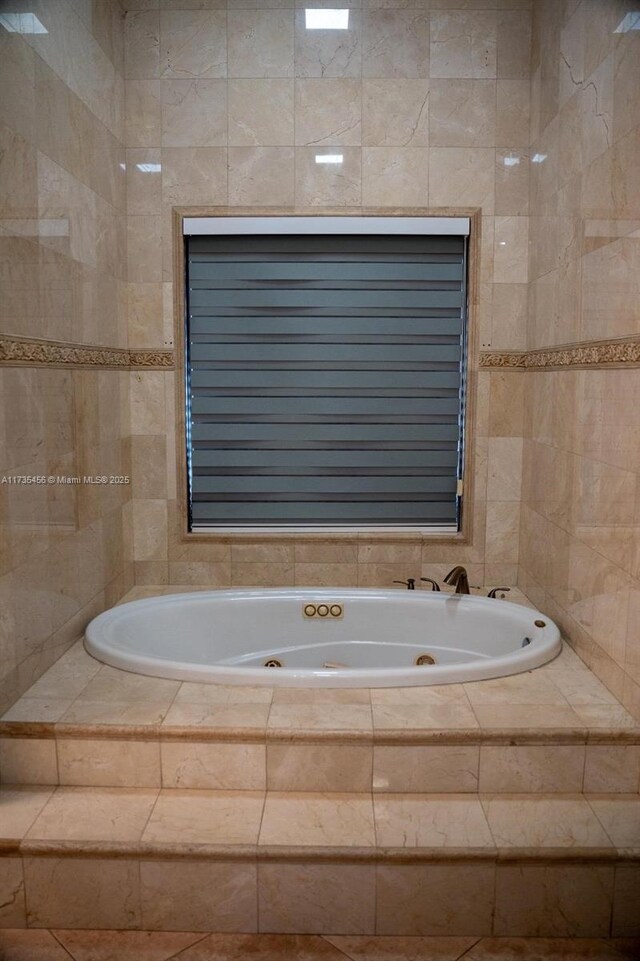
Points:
x=32, y=352
x=603, y=353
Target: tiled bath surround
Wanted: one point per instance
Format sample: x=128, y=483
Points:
x=580, y=531
x=229, y=105
x=64, y=552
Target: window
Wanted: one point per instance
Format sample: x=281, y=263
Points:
x=325, y=372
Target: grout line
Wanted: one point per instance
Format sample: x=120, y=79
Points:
x=62, y=945
x=470, y=948
x=182, y=952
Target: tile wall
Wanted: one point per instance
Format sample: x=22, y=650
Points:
x=64, y=554
x=580, y=533
x=227, y=103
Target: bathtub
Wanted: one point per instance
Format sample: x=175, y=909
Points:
x=323, y=637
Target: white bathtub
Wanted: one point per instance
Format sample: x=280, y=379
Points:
x=366, y=638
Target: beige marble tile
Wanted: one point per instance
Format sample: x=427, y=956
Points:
x=193, y=43
x=328, y=112
x=395, y=113
x=88, y=711
x=110, y=684
x=327, y=819
x=218, y=694
x=12, y=909
x=341, y=768
x=462, y=113
x=109, y=763
x=392, y=717
x=31, y=945
x=316, y=898
x=206, y=817
x=83, y=893
x=463, y=44
x=542, y=822
x=319, y=717
x=144, y=194
x=143, y=113
x=28, y=761
x=624, y=922
x=328, y=53
x=612, y=767
x=430, y=820
x=429, y=696
x=194, y=175
x=527, y=716
x=115, y=945
x=260, y=43
x=20, y=808
x=399, y=948
x=512, y=114
x=194, y=113
x=223, y=716
x=564, y=900
x=198, y=896
x=435, y=899
x=620, y=817
x=328, y=184
x=531, y=768
x=37, y=709
x=261, y=175
x=214, y=766
x=395, y=176
x=94, y=814
x=395, y=44
x=262, y=947
x=260, y=113
x=462, y=177
x=425, y=769
x=519, y=689
x=142, y=45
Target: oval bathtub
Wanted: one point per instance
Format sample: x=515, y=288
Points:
x=323, y=637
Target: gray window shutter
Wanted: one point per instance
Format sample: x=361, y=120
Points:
x=325, y=380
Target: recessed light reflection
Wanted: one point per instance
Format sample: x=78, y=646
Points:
x=326, y=19
x=22, y=23
x=538, y=158
x=511, y=161
x=149, y=168
x=329, y=158
x=630, y=22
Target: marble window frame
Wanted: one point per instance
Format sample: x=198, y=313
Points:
x=464, y=536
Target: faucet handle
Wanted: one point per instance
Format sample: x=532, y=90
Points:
x=410, y=583
x=494, y=591
x=434, y=584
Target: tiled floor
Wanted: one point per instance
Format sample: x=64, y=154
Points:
x=43, y=945
x=561, y=695
x=317, y=820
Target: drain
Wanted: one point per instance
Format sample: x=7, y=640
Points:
x=424, y=659
x=272, y=662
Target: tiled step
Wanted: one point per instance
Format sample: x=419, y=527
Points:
x=555, y=729
x=505, y=761
x=517, y=865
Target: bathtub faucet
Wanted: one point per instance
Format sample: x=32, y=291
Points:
x=458, y=578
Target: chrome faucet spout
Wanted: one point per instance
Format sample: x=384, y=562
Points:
x=457, y=577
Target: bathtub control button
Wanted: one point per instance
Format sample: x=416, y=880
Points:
x=323, y=610
x=540, y=623
x=336, y=610
x=310, y=610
